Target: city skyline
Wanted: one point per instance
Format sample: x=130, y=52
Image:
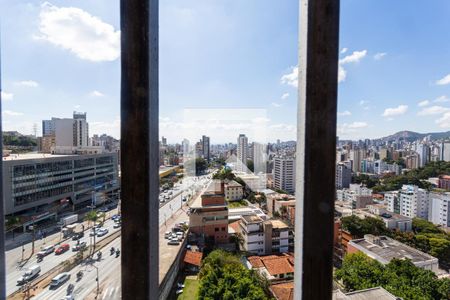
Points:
x=390, y=74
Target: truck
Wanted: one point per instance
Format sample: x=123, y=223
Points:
x=69, y=220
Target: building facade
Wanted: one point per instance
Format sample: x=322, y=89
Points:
x=439, y=209
x=242, y=151
x=343, y=176
x=284, y=174
x=35, y=181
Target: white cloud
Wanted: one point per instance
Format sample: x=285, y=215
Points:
x=27, y=83
x=423, y=103
x=96, y=94
x=274, y=104
x=349, y=128
x=444, y=121
x=76, y=30
x=12, y=113
x=344, y=113
x=395, y=111
x=444, y=80
x=433, y=110
x=342, y=73
x=379, y=55
x=77, y=106
x=7, y=96
x=284, y=96
x=344, y=50
x=111, y=128
x=441, y=99
x=355, y=57
x=291, y=78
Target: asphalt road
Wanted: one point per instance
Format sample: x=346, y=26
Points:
x=108, y=267
x=49, y=262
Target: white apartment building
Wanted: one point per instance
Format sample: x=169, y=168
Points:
x=242, y=150
x=357, y=195
x=413, y=202
x=265, y=237
x=234, y=191
x=284, y=173
x=439, y=208
x=392, y=201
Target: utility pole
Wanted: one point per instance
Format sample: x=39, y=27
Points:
x=98, y=281
x=34, y=232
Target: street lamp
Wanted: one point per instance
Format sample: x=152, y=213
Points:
x=97, y=279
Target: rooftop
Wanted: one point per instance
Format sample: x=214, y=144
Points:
x=34, y=155
x=368, y=294
x=274, y=264
x=233, y=183
x=387, y=249
x=214, y=188
x=193, y=258
x=252, y=219
x=278, y=224
x=283, y=291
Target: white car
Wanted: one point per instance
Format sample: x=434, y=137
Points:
x=102, y=232
x=117, y=225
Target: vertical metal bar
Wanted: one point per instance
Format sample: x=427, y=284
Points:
x=139, y=148
x=316, y=147
x=2, y=211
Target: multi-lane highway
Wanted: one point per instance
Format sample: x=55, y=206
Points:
x=109, y=266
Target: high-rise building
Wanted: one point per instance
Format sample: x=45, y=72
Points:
x=80, y=130
x=343, y=176
x=356, y=157
x=185, y=146
x=413, y=202
x=259, y=158
x=205, y=147
x=439, y=208
x=242, y=150
x=164, y=141
x=48, y=127
x=445, y=151
x=284, y=174
x=424, y=154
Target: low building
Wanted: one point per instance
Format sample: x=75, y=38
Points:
x=36, y=183
x=444, y=182
x=265, y=237
x=192, y=261
x=384, y=249
x=283, y=290
x=276, y=200
x=390, y=219
x=234, y=191
x=377, y=293
x=238, y=212
x=273, y=267
x=209, y=214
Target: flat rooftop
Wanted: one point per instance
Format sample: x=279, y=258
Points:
x=387, y=249
x=252, y=219
x=35, y=155
x=369, y=294
x=278, y=224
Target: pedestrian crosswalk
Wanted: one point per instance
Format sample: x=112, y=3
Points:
x=111, y=293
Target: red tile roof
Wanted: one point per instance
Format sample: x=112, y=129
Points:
x=235, y=226
x=275, y=264
x=283, y=291
x=193, y=258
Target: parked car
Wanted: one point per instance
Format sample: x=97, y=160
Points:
x=102, y=210
x=102, y=232
x=167, y=234
x=116, y=217
x=79, y=246
x=77, y=235
x=173, y=242
x=179, y=291
x=46, y=251
x=29, y=275
x=117, y=225
x=59, y=279
x=61, y=249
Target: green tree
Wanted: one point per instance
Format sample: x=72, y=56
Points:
x=222, y=276
x=91, y=217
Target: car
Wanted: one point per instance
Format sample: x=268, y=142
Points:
x=179, y=291
x=79, y=246
x=102, y=210
x=162, y=201
x=29, y=275
x=180, y=285
x=68, y=297
x=61, y=249
x=117, y=225
x=167, y=234
x=59, y=279
x=173, y=242
x=46, y=251
x=77, y=235
x=102, y=232
x=93, y=231
x=115, y=217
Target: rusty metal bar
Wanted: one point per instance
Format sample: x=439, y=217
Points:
x=316, y=147
x=139, y=148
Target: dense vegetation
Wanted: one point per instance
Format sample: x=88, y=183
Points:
x=399, y=277
x=415, y=176
x=19, y=141
x=223, y=277
x=425, y=236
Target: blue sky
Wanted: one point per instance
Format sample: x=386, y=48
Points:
x=60, y=56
